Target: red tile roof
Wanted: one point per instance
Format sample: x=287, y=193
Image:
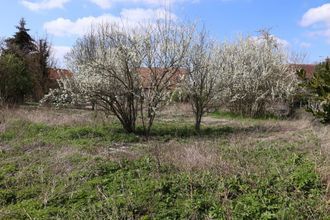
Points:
x=54, y=74
x=148, y=73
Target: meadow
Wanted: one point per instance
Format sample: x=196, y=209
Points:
x=79, y=164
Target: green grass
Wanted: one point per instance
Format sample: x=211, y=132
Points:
x=66, y=172
x=231, y=115
x=137, y=190
x=25, y=133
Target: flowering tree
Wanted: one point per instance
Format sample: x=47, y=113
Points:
x=106, y=63
x=67, y=94
x=130, y=72
x=166, y=46
x=256, y=73
x=202, y=82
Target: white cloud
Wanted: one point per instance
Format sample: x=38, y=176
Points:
x=129, y=17
x=316, y=15
x=319, y=20
x=59, y=52
x=140, y=14
x=105, y=4
x=45, y=4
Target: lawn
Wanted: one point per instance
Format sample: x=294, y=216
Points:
x=76, y=164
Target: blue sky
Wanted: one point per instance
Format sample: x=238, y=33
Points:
x=304, y=25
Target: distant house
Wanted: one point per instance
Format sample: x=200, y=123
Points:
x=55, y=74
x=148, y=75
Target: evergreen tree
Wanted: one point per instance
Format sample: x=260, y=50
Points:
x=317, y=90
x=21, y=42
x=14, y=79
x=35, y=58
x=39, y=64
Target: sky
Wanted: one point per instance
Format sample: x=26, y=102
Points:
x=302, y=25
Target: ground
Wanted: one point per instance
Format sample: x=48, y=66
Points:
x=76, y=164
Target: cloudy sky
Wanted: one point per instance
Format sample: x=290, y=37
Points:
x=303, y=25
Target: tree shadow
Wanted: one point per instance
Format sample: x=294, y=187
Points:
x=184, y=131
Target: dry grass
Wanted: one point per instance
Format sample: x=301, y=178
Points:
x=323, y=134
x=195, y=156
x=47, y=116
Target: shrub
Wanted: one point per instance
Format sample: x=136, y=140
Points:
x=256, y=74
x=317, y=90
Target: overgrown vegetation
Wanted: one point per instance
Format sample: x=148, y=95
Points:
x=24, y=64
x=132, y=74
x=83, y=168
x=124, y=164
x=317, y=90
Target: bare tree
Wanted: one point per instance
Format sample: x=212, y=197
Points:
x=202, y=80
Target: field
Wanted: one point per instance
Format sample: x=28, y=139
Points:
x=76, y=164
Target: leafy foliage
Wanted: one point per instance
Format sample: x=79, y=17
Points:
x=317, y=90
x=15, y=81
x=33, y=57
x=21, y=42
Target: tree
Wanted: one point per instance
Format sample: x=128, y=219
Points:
x=106, y=62
x=2, y=45
x=165, y=49
x=201, y=83
x=14, y=79
x=130, y=73
x=21, y=43
x=35, y=55
x=257, y=74
x=317, y=90
x=38, y=63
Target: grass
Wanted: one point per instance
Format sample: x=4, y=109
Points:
x=88, y=168
x=21, y=133
x=231, y=115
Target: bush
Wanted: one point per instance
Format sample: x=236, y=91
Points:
x=256, y=74
x=317, y=90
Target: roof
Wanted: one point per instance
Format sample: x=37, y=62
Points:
x=148, y=74
x=55, y=74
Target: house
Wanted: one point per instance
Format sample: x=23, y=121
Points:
x=55, y=74
x=156, y=74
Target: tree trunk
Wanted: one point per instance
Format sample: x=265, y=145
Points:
x=198, y=121
x=129, y=127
